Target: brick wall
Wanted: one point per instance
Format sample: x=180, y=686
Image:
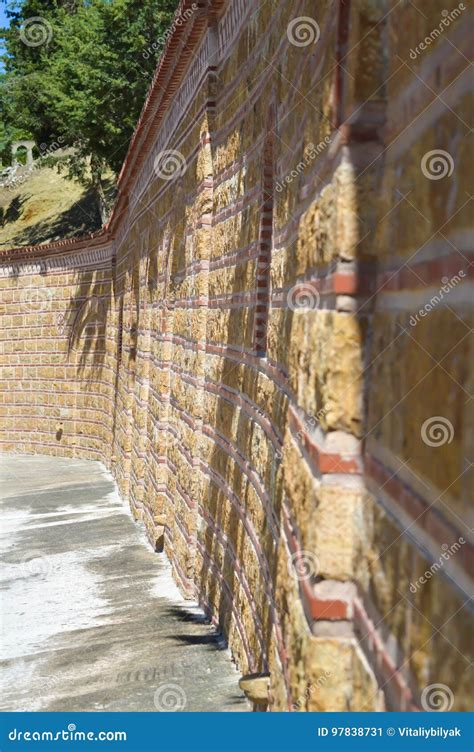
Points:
x=57, y=350
x=238, y=344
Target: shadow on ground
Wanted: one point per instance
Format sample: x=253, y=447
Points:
x=81, y=218
x=92, y=618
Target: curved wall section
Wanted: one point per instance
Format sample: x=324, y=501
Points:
x=58, y=349
x=237, y=346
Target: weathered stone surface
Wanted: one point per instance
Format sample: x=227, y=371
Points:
x=257, y=345
x=256, y=687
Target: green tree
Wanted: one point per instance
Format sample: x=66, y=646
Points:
x=79, y=70
x=8, y=134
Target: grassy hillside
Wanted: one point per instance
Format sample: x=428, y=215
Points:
x=45, y=207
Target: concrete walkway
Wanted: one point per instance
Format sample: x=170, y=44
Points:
x=90, y=617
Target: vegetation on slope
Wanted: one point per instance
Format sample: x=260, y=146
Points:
x=79, y=70
x=46, y=207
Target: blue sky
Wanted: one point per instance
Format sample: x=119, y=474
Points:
x=3, y=22
x=3, y=18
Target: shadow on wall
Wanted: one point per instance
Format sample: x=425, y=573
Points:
x=317, y=356
x=232, y=489
x=87, y=320
x=249, y=466
x=231, y=493
x=88, y=325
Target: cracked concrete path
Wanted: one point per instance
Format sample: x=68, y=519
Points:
x=90, y=617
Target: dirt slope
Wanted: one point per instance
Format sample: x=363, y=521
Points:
x=43, y=207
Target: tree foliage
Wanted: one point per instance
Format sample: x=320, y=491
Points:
x=87, y=80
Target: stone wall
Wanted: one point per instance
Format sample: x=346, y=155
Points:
x=57, y=349
x=248, y=343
